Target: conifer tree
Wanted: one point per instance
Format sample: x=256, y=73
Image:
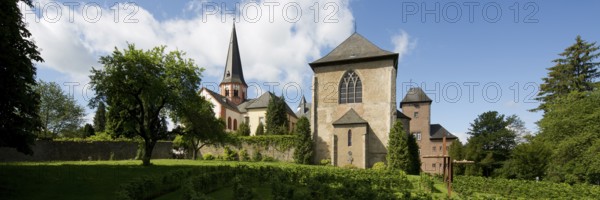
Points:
x=574, y=71
x=260, y=129
x=304, y=152
x=277, y=121
x=399, y=154
x=100, y=118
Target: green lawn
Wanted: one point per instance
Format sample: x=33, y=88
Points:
x=100, y=179
x=77, y=179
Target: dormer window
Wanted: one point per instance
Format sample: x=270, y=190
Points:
x=350, y=90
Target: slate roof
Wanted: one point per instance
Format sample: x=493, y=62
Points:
x=437, y=132
x=400, y=115
x=350, y=117
x=263, y=102
x=233, y=68
x=242, y=107
x=355, y=47
x=415, y=95
x=223, y=100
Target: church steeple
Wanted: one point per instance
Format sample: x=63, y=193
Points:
x=233, y=66
x=233, y=86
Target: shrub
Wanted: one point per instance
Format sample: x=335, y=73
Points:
x=229, y=154
x=243, y=154
x=268, y=159
x=256, y=156
x=260, y=129
x=326, y=162
x=244, y=129
x=426, y=182
x=147, y=187
x=299, y=182
x=349, y=166
x=379, y=166
x=241, y=189
x=208, y=156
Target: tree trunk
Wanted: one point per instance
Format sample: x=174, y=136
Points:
x=148, y=147
x=194, y=154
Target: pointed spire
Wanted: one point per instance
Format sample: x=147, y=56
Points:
x=233, y=68
x=302, y=103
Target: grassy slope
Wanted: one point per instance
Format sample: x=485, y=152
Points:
x=98, y=179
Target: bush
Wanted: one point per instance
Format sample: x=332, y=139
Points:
x=147, y=187
x=241, y=189
x=522, y=189
x=426, y=182
x=243, y=130
x=379, y=166
x=229, y=155
x=268, y=159
x=256, y=156
x=208, y=156
x=244, y=155
x=326, y=162
x=349, y=166
x=260, y=129
x=300, y=182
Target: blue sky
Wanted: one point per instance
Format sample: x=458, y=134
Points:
x=477, y=49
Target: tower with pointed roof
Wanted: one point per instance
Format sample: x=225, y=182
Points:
x=231, y=103
x=233, y=86
x=417, y=105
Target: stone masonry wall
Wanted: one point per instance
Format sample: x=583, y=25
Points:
x=69, y=150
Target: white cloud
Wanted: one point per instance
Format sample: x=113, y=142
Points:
x=271, y=51
x=403, y=43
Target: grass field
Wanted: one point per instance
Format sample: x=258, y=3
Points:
x=100, y=179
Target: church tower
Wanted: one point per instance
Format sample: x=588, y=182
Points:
x=233, y=86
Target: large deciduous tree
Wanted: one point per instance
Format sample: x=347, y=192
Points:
x=58, y=112
x=141, y=86
x=277, y=120
x=490, y=143
x=529, y=161
x=19, y=120
x=399, y=155
x=576, y=70
x=571, y=128
x=199, y=126
x=303, y=152
x=456, y=151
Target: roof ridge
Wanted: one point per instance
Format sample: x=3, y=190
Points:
x=355, y=46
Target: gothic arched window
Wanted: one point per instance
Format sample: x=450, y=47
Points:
x=229, y=123
x=349, y=137
x=350, y=90
x=235, y=124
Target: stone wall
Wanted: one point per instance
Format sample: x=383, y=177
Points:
x=69, y=150
x=271, y=151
